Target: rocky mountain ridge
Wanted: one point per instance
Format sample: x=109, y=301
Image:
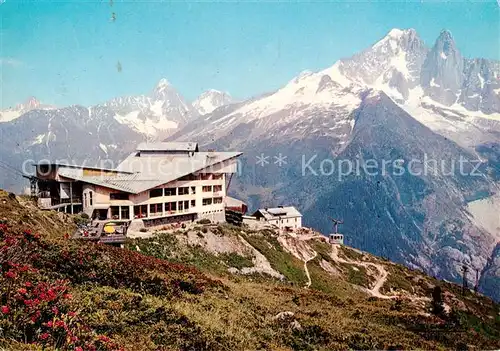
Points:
x=384, y=104
x=30, y=104
x=155, y=115
x=105, y=132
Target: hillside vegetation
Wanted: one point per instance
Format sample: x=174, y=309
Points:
x=208, y=287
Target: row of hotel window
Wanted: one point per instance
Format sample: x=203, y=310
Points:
x=183, y=190
x=204, y=176
x=141, y=211
x=170, y=192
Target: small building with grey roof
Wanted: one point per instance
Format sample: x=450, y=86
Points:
x=284, y=217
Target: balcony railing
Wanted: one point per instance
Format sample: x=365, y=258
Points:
x=113, y=239
x=74, y=199
x=163, y=214
x=44, y=194
x=48, y=202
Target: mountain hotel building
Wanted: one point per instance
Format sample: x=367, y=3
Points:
x=159, y=183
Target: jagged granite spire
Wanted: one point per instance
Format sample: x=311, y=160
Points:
x=442, y=73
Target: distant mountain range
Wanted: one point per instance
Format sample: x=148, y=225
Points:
x=12, y=113
x=154, y=115
x=397, y=100
x=34, y=131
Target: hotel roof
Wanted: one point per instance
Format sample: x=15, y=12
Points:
x=146, y=172
x=68, y=165
x=271, y=213
x=168, y=146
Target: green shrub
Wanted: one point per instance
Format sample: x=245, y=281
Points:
x=81, y=219
x=34, y=304
x=351, y=254
x=235, y=260
x=280, y=260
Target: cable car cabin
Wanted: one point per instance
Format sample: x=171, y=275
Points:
x=106, y=232
x=336, y=238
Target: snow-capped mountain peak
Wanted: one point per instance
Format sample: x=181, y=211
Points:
x=397, y=39
x=446, y=45
x=155, y=115
x=30, y=104
x=395, y=65
x=392, y=64
x=309, y=104
x=396, y=32
x=163, y=82
x=162, y=85
x=446, y=37
x=210, y=100
x=163, y=90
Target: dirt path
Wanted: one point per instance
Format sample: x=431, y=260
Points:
x=300, y=249
x=306, y=237
x=309, y=282
x=381, y=278
x=304, y=252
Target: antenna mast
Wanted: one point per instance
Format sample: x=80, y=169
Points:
x=336, y=222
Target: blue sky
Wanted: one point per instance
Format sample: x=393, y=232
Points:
x=67, y=52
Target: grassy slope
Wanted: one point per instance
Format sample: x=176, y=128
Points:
x=235, y=312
